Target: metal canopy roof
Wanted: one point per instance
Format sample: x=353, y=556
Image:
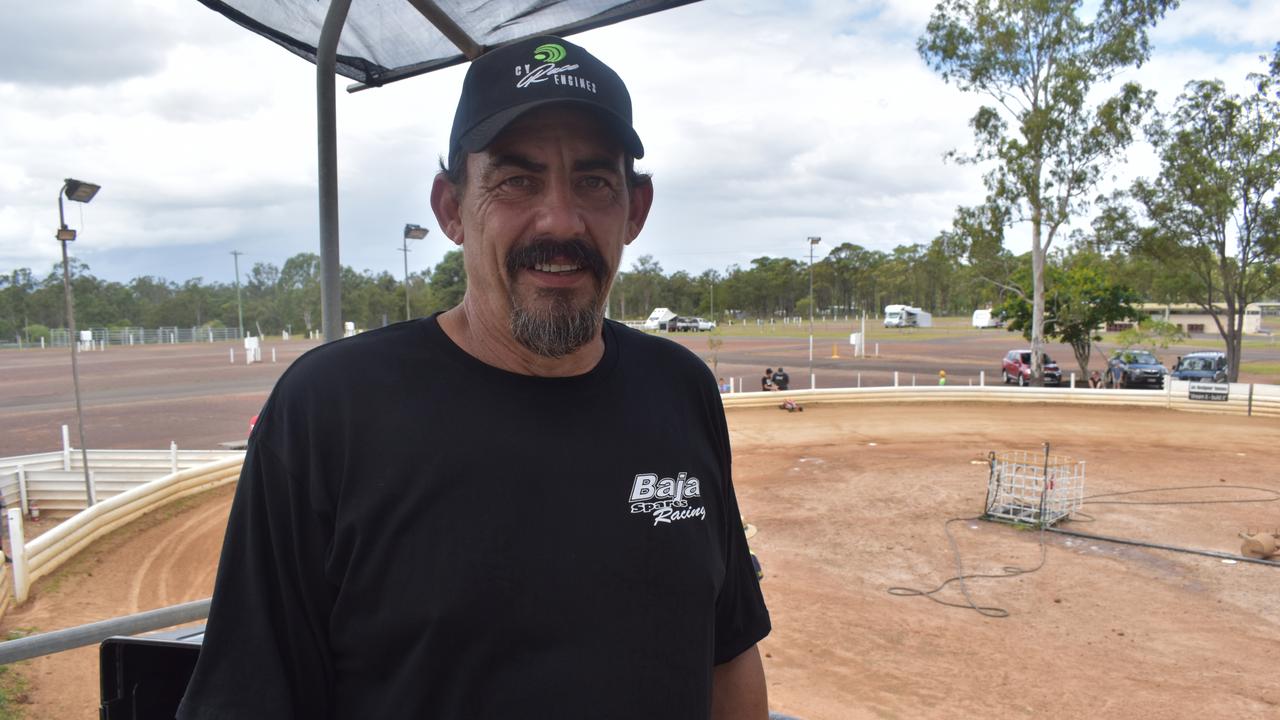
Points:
x=389, y=40
x=376, y=42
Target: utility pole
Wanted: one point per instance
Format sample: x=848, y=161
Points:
x=812, y=241
x=239, y=304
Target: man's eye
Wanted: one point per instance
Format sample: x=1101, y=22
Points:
x=595, y=182
x=518, y=181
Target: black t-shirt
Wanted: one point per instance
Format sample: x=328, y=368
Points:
x=417, y=534
x=781, y=380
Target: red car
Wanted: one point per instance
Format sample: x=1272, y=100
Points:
x=1017, y=368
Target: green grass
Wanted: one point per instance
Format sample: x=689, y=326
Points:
x=1268, y=369
x=13, y=693
x=839, y=330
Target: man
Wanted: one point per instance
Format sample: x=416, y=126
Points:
x=781, y=380
x=766, y=380
x=491, y=513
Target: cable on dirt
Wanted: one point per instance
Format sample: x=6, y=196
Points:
x=1013, y=571
x=1008, y=571
x=1275, y=495
x=960, y=577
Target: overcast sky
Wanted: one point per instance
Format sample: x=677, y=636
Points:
x=764, y=122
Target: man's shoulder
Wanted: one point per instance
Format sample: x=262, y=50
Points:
x=347, y=360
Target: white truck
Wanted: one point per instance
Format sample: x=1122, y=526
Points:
x=902, y=316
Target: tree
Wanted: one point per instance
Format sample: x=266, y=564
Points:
x=1039, y=61
x=1215, y=207
x=1150, y=333
x=300, y=283
x=448, y=281
x=1079, y=300
x=15, y=293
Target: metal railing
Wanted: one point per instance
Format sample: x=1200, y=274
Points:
x=93, y=633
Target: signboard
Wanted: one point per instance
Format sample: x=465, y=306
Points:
x=1208, y=391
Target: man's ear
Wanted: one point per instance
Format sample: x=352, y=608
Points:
x=638, y=212
x=448, y=208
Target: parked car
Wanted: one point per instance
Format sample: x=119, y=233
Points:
x=1017, y=368
x=693, y=324
x=1206, y=366
x=1138, y=368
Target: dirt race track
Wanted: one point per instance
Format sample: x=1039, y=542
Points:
x=852, y=500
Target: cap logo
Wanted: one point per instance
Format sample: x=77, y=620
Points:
x=548, y=55
x=550, y=52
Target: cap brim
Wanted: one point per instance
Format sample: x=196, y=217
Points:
x=484, y=132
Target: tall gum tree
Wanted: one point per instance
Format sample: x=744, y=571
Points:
x=1215, y=207
x=1047, y=144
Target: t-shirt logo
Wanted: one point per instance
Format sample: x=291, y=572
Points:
x=667, y=499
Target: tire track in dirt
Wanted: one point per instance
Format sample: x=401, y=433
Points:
x=181, y=571
x=167, y=557
x=187, y=542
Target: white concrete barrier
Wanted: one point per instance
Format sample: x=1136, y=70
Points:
x=1243, y=398
x=33, y=560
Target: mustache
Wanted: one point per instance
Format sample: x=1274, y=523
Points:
x=576, y=251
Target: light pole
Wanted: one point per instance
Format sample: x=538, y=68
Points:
x=239, y=305
x=813, y=240
x=79, y=192
x=411, y=232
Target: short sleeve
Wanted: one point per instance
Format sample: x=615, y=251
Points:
x=742, y=619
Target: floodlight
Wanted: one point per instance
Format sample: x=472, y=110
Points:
x=80, y=191
x=414, y=232
x=66, y=234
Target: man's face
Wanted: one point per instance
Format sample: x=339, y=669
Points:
x=543, y=217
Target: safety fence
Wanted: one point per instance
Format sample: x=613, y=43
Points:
x=42, y=555
x=1231, y=399
x=54, y=483
x=60, y=337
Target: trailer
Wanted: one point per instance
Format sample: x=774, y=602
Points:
x=902, y=316
x=986, y=318
x=659, y=319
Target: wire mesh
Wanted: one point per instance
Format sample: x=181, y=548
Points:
x=1033, y=487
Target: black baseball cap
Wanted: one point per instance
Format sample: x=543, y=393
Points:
x=513, y=79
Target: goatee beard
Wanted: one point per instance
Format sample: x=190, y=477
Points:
x=553, y=324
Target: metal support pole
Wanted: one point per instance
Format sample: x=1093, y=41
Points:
x=75, y=351
x=239, y=305
x=327, y=145
x=404, y=248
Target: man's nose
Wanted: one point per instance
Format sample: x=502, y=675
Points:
x=560, y=214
